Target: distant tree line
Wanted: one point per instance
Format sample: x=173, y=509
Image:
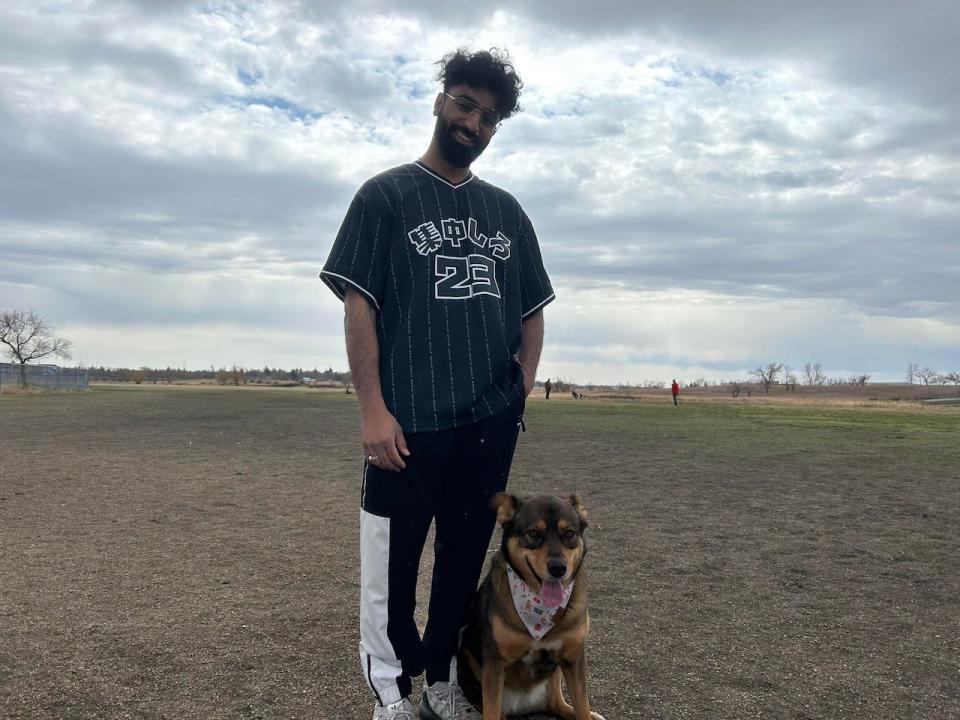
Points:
x=223, y=376
x=929, y=376
x=775, y=373
x=766, y=375
x=27, y=337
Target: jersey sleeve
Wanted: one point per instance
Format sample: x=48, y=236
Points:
x=360, y=254
x=535, y=288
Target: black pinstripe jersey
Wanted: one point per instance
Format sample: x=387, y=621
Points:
x=452, y=271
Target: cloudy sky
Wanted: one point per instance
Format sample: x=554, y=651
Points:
x=715, y=185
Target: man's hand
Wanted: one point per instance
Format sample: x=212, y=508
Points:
x=383, y=441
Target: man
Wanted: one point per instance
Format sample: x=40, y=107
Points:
x=547, y=386
x=444, y=287
x=675, y=391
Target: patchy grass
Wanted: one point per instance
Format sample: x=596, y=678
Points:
x=191, y=552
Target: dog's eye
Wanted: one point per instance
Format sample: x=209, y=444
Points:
x=568, y=536
x=533, y=535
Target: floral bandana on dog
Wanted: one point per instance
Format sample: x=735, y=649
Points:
x=538, y=612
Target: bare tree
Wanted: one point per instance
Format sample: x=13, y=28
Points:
x=912, y=369
x=953, y=377
x=861, y=380
x=236, y=376
x=736, y=387
x=927, y=375
x=814, y=374
x=29, y=337
x=233, y=376
x=766, y=374
x=789, y=378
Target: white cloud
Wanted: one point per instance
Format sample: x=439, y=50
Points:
x=623, y=335
x=755, y=183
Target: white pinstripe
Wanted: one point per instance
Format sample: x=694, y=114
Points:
x=433, y=382
x=504, y=284
x=373, y=251
x=413, y=284
x=529, y=247
x=343, y=249
x=503, y=306
x=453, y=393
x=396, y=293
x=356, y=245
x=483, y=308
x=466, y=314
x=428, y=290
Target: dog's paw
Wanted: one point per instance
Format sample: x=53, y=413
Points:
x=597, y=716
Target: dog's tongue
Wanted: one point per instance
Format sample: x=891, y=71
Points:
x=552, y=593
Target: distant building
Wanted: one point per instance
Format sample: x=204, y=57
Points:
x=39, y=368
x=43, y=375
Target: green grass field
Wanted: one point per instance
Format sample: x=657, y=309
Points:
x=184, y=552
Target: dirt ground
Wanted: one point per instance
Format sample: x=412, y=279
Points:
x=192, y=553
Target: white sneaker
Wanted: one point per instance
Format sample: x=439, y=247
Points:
x=401, y=710
x=446, y=701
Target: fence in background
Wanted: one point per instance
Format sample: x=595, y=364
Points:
x=61, y=378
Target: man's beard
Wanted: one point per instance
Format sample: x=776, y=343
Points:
x=452, y=150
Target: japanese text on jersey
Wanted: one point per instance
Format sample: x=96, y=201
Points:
x=461, y=277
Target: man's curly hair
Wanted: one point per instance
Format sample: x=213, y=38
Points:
x=487, y=70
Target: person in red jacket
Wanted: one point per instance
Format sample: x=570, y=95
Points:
x=675, y=390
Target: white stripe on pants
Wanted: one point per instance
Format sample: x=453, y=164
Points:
x=380, y=664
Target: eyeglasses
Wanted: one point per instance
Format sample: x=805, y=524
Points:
x=488, y=118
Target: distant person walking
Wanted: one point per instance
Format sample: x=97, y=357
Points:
x=675, y=391
x=547, y=387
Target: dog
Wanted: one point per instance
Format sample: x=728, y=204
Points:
x=529, y=620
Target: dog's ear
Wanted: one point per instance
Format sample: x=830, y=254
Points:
x=577, y=505
x=505, y=506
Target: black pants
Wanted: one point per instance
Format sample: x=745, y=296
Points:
x=450, y=477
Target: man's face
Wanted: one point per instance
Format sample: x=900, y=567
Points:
x=461, y=135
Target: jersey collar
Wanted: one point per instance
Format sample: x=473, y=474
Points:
x=441, y=178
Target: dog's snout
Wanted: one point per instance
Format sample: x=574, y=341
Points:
x=556, y=567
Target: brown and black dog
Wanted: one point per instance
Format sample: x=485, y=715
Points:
x=529, y=620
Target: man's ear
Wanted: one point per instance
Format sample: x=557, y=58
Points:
x=437, y=104
x=506, y=506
